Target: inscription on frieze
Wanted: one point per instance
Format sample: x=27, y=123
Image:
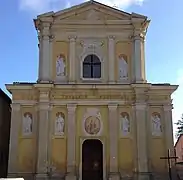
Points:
x=92, y=94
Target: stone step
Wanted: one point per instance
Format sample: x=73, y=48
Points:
x=180, y=173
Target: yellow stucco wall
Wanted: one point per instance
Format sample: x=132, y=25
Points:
x=126, y=144
x=59, y=153
x=157, y=151
x=27, y=145
x=125, y=153
x=121, y=48
x=26, y=157
x=58, y=144
x=157, y=146
x=27, y=149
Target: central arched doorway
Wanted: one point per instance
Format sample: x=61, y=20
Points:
x=92, y=160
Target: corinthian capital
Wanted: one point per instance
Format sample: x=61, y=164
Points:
x=112, y=107
x=71, y=108
x=15, y=107
x=52, y=37
x=112, y=37
x=138, y=35
x=72, y=38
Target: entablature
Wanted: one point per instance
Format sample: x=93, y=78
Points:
x=126, y=93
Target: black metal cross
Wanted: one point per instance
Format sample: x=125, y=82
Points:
x=169, y=157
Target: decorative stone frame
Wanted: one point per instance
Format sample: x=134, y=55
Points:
x=103, y=141
x=59, y=136
x=123, y=80
x=89, y=50
x=88, y=113
x=128, y=135
x=154, y=135
x=61, y=78
x=27, y=135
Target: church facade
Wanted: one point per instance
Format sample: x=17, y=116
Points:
x=91, y=114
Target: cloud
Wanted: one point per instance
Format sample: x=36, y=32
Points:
x=177, y=99
x=41, y=6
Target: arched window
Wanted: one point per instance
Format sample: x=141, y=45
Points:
x=91, y=67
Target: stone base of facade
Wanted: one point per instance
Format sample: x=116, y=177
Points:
x=114, y=176
x=70, y=177
x=12, y=175
x=144, y=176
x=26, y=176
x=41, y=177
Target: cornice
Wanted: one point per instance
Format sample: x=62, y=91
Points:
x=43, y=85
x=15, y=106
x=16, y=87
x=112, y=106
x=25, y=102
x=93, y=22
x=86, y=102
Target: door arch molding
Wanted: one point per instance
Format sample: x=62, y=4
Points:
x=102, y=140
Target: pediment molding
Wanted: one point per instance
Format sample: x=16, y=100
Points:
x=88, y=13
x=91, y=6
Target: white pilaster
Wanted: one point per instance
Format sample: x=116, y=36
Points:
x=13, y=145
x=51, y=58
x=45, y=54
x=139, y=61
x=40, y=57
x=72, y=59
x=43, y=141
x=168, y=126
x=141, y=111
x=113, y=139
x=111, y=60
x=71, y=144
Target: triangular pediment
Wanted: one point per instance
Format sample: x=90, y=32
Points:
x=91, y=10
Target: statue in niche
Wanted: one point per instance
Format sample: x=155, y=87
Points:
x=123, y=68
x=59, y=124
x=125, y=123
x=156, y=124
x=60, y=66
x=27, y=124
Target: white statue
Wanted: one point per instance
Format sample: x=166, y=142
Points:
x=27, y=124
x=123, y=68
x=156, y=125
x=59, y=125
x=125, y=125
x=60, y=66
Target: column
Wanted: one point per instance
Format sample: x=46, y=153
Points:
x=168, y=126
x=113, y=138
x=40, y=56
x=45, y=54
x=111, y=60
x=71, y=142
x=51, y=58
x=141, y=125
x=13, y=145
x=43, y=141
x=72, y=59
x=139, y=61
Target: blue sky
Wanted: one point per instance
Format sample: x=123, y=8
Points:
x=164, y=49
